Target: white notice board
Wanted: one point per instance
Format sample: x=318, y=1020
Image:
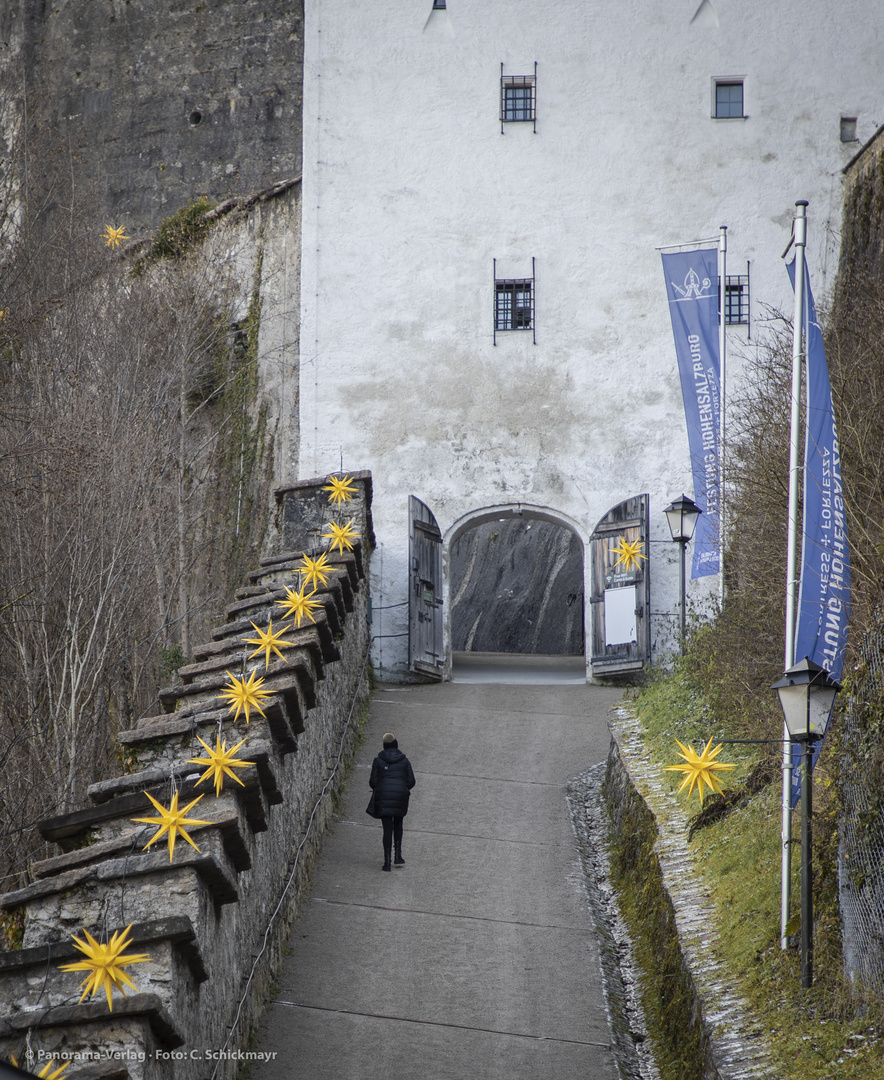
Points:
x=620, y=605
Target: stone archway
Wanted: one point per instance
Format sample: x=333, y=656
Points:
x=516, y=585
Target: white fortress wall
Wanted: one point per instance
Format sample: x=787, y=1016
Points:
x=411, y=191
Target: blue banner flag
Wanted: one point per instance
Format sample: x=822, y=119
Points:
x=692, y=290
x=824, y=593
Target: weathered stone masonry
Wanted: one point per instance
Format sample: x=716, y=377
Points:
x=203, y=918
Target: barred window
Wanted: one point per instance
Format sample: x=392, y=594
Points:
x=736, y=299
x=517, y=98
x=514, y=304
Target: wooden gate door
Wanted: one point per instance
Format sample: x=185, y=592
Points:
x=425, y=653
x=620, y=590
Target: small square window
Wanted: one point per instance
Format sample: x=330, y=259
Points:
x=728, y=99
x=516, y=98
x=736, y=299
x=848, y=129
x=514, y=304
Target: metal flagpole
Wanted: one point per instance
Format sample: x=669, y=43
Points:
x=795, y=468
x=722, y=354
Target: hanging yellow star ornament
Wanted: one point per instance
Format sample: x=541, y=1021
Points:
x=114, y=237
x=172, y=821
x=221, y=762
x=105, y=965
x=46, y=1073
x=315, y=571
x=629, y=552
x=267, y=642
x=341, y=536
x=342, y=489
x=700, y=769
x=299, y=605
x=246, y=694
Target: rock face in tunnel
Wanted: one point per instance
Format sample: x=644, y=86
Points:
x=517, y=586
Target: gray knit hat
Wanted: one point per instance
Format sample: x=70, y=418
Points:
x=389, y=738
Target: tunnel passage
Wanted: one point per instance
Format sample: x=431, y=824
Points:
x=516, y=586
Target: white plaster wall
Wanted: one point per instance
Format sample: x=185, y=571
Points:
x=411, y=190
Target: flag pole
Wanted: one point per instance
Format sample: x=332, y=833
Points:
x=722, y=359
x=795, y=468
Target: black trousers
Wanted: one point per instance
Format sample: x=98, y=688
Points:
x=392, y=831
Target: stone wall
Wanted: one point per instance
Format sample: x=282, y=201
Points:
x=213, y=918
x=157, y=104
x=678, y=938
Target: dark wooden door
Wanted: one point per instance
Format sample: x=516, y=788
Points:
x=425, y=652
x=620, y=589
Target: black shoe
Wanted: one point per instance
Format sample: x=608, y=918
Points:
x=386, y=865
x=399, y=861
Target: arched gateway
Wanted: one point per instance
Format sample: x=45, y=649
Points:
x=514, y=577
x=518, y=579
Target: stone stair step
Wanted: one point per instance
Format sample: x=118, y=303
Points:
x=255, y=750
x=147, y=1007
x=326, y=623
x=215, y=863
x=67, y=830
x=227, y=660
x=278, y=679
x=306, y=638
x=290, y=560
x=284, y=718
x=178, y=929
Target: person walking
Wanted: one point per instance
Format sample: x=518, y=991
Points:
x=391, y=780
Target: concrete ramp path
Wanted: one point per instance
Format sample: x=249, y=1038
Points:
x=477, y=959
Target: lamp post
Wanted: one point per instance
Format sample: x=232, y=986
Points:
x=682, y=514
x=807, y=694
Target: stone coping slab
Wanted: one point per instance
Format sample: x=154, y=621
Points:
x=177, y=929
x=146, y=1006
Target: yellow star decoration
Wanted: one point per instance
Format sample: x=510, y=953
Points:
x=246, y=694
x=221, y=762
x=315, y=571
x=299, y=605
x=341, y=536
x=172, y=821
x=46, y=1072
x=342, y=489
x=629, y=552
x=700, y=769
x=113, y=237
x=105, y=965
x=267, y=642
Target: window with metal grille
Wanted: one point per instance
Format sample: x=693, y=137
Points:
x=514, y=304
x=736, y=299
x=728, y=99
x=518, y=99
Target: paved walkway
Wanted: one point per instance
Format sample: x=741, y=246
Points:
x=477, y=958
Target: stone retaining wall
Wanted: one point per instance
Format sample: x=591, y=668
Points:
x=213, y=921
x=735, y=1047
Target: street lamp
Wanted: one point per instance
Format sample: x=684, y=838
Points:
x=807, y=694
x=682, y=514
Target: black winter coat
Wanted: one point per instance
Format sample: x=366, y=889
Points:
x=392, y=779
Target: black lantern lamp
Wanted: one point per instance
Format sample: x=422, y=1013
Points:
x=682, y=514
x=807, y=694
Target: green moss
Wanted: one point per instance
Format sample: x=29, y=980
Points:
x=813, y=1034
x=12, y=928
x=668, y=998
x=182, y=231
